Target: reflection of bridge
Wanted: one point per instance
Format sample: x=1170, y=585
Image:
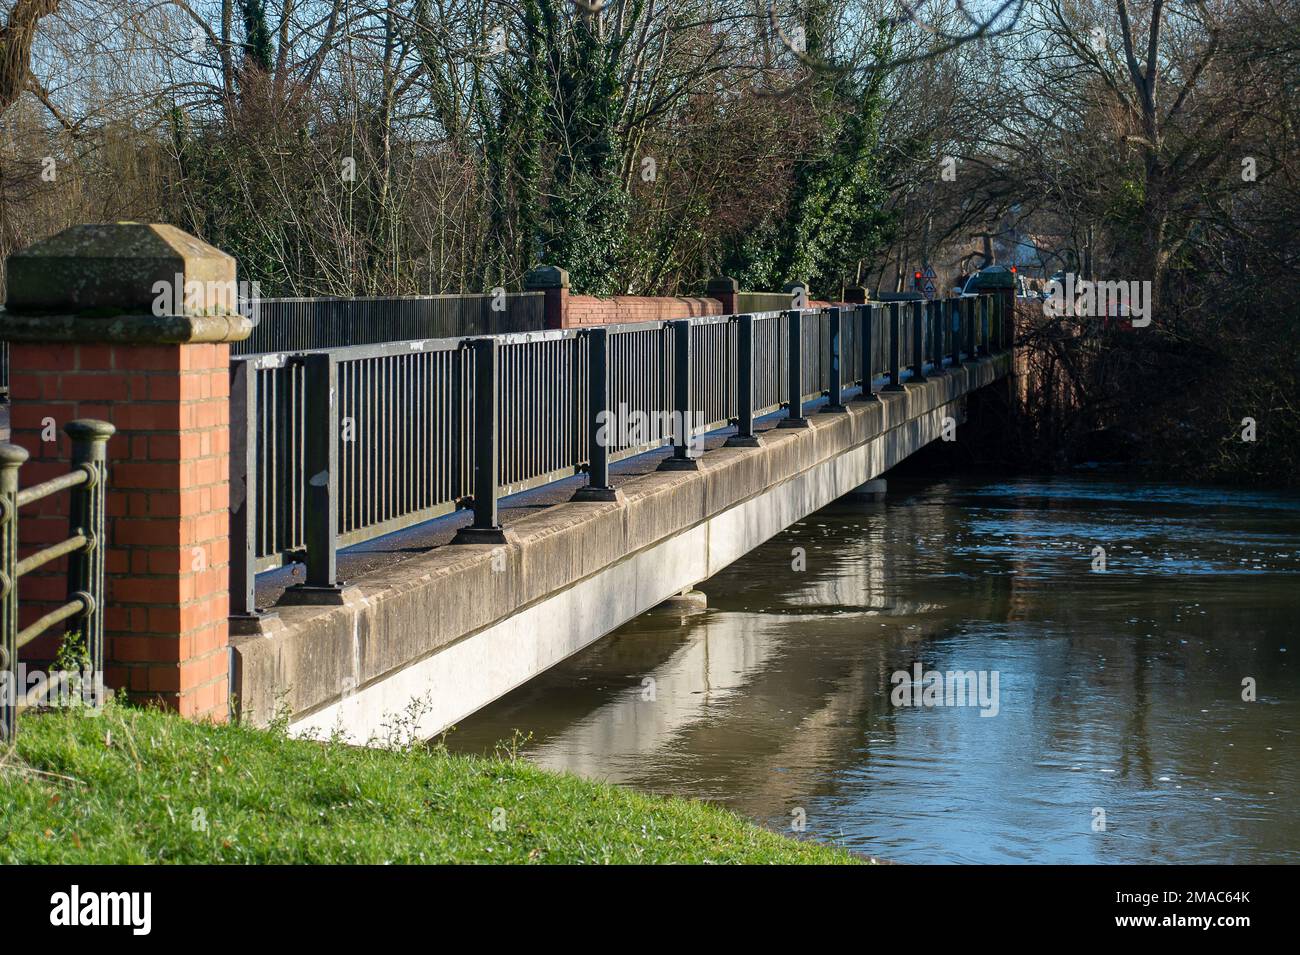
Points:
x=458, y=626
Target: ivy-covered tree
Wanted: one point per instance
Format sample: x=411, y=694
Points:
x=836, y=216
x=586, y=218
x=257, y=49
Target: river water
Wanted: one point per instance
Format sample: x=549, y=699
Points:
x=1118, y=732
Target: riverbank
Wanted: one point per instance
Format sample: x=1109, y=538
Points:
x=140, y=786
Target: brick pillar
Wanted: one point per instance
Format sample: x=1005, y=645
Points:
x=725, y=290
x=554, y=282
x=131, y=323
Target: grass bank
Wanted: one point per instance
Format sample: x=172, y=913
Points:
x=141, y=786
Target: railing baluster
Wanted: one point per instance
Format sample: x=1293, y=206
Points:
x=321, y=474
x=895, y=348
x=11, y=459
x=599, y=418
x=866, y=318
x=952, y=318
x=918, y=344
x=744, y=436
x=835, y=402
x=794, y=372
x=681, y=459
x=968, y=328
x=243, y=493
x=486, y=528
x=86, y=517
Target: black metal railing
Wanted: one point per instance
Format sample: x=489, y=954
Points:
x=338, y=446
x=84, y=549
x=297, y=324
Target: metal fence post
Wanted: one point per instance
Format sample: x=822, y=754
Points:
x=867, y=314
x=321, y=497
x=918, y=344
x=600, y=427
x=895, y=348
x=486, y=528
x=952, y=318
x=243, y=497
x=86, y=517
x=983, y=339
x=794, y=372
x=744, y=436
x=683, y=423
x=936, y=336
x=968, y=328
x=11, y=459
x=835, y=402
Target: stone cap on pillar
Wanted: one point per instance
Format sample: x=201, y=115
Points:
x=122, y=282
x=720, y=286
x=546, y=276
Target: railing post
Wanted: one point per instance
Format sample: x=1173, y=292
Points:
x=835, y=402
x=486, y=528
x=600, y=426
x=744, y=436
x=86, y=517
x=683, y=419
x=321, y=498
x=867, y=315
x=982, y=346
x=244, y=615
x=895, y=347
x=918, y=344
x=952, y=317
x=968, y=328
x=794, y=372
x=11, y=459
x=936, y=336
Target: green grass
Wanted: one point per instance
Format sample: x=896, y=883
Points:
x=138, y=786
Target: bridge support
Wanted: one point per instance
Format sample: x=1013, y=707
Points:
x=873, y=492
x=687, y=602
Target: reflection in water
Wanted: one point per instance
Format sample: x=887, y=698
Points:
x=1120, y=692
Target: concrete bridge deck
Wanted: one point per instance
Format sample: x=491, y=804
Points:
x=437, y=636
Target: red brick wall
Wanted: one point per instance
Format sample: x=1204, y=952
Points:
x=582, y=310
x=168, y=506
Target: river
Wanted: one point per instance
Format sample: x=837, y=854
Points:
x=1121, y=728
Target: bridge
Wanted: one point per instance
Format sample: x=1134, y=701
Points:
x=573, y=477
